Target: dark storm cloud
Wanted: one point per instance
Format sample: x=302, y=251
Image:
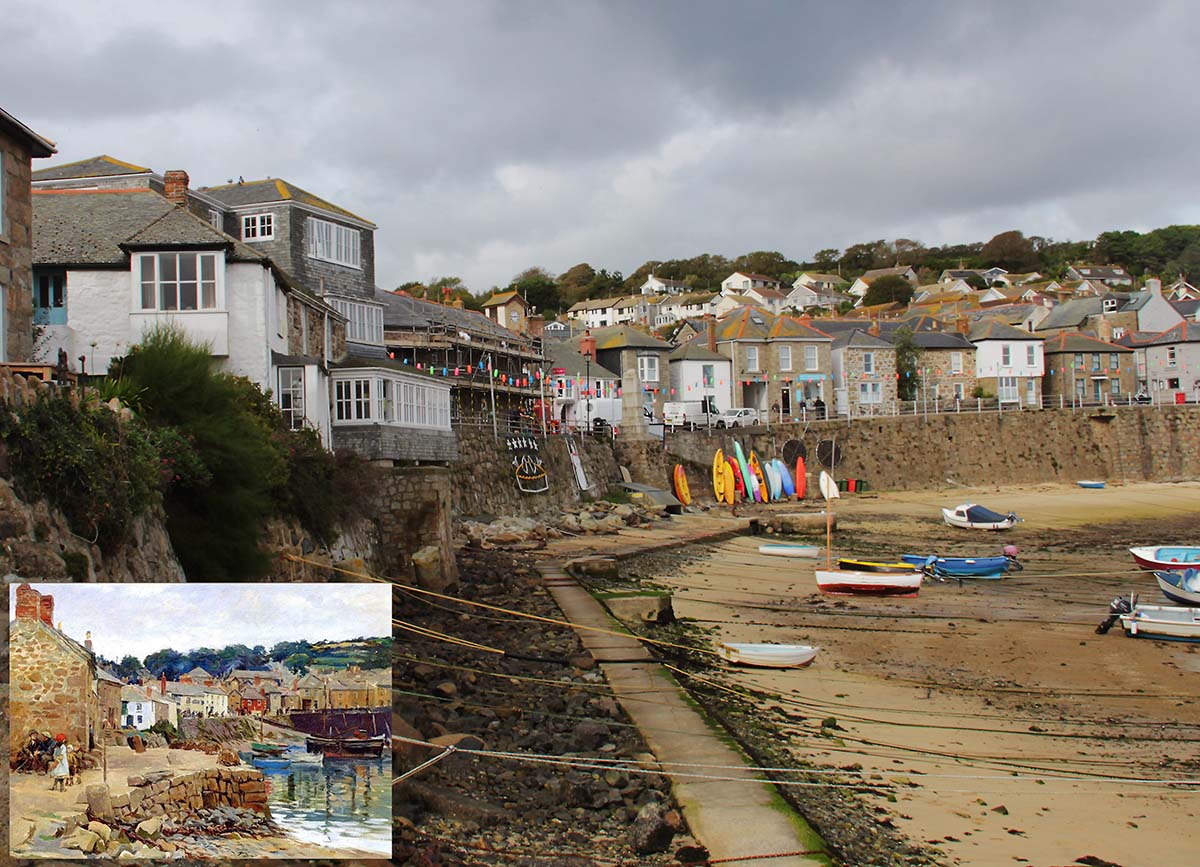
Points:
x=486, y=137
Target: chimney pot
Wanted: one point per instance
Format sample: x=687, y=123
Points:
x=175, y=184
x=28, y=603
x=87, y=641
x=46, y=610
x=963, y=325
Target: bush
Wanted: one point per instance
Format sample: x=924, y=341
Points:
x=99, y=473
x=165, y=729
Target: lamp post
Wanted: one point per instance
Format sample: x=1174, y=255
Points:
x=587, y=390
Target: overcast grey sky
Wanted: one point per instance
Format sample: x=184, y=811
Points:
x=486, y=137
x=143, y=618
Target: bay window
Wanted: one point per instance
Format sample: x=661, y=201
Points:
x=332, y=242
x=178, y=281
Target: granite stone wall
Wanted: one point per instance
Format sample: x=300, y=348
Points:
x=912, y=452
x=51, y=687
x=483, y=482
x=180, y=796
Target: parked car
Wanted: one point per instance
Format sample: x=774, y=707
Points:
x=738, y=416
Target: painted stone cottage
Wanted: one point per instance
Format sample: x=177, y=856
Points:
x=52, y=676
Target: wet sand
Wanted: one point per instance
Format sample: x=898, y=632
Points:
x=1005, y=729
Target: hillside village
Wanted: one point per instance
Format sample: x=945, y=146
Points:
x=280, y=283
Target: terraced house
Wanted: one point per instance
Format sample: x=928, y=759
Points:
x=1081, y=368
x=777, y=361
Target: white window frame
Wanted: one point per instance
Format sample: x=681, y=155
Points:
x=333, y=242
x=215, y=219
x=147, y=280
x=1031, y=355
x=1172, y=359
x=959, y=391
x=785, y=357
x=752, y=359
x=869, y=363
x=870, y=393
x=258, y=227
x=1007, y=389
x=811, y=358
x=1006, y=355
x=648, y=368
x=364, y=322
x=379, y=397
x=291, y=396
x=956, y=362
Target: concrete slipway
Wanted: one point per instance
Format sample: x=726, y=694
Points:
x=734, y=820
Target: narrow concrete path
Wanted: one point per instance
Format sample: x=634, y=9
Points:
x=733, y=819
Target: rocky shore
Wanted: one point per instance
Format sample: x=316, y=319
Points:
x=541, y=695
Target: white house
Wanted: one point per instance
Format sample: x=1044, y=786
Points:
x=110, y=264
x=813, y=289
x=740, y=282
x=581, y=389
x=594, y=313
x=1111, y=274
x=662, y=286
x=189, y=697
x=860, y=286
x=137, y=707
x=772, y=299
x=693, y=305
x=1009, y=362
x=696, y=372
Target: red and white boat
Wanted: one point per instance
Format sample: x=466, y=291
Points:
x=1167, y=556
x=860, y=583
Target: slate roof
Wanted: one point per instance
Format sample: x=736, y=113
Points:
x=693, y=298
x=1184, y=332
x=1073, y=341
x=592, y=304
x=176, y=688
x=108, y=676
x=1100, y=272
x=858, y=339
x=1070, y=314
x=198, y=672
x=625, y=337
x=406, y=312
x=753, y=276
x=664, y=281
x=136, y=693
x=1006, y=313
x=767, y=292
x=92, y=227
x=39, y=146
x=1135, y=338
x=1186, y=309
x=566, y=355
x=876, y=273
x=504, y=298
x=696, y=349
x=941, y=340
x=274, y=190
x=819, y=278
x=757, y=324
x=102, y=166
x=994, y=329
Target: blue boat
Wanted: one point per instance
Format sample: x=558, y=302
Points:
x=965, y=567
x=1088, y=483
x=270, y=763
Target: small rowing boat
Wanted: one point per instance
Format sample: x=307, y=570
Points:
x=964, y=567
x=1088, y=483
x=271, y=763
x=1182, y=587
x=1167, y=556
x=857, y=583
x=1166, y=622
x=788, y=550
x=351, y=746
x=767, y=655
x=874, y=565
x=971, y=516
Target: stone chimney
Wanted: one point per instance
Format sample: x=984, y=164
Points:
x=162, y=683
x=534, y=324
x=176, y=187
x=1154, y=287
x=963, y=325
x=874, y=329
x=711, y=331
x=87, y=640
x=457, y=303
x=28, y=603
x=1104, y=329
x=46, y=610
x=587, y=345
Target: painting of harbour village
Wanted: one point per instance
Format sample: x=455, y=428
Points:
x=199, y=721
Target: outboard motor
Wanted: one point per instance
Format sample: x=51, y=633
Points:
x=1010, y=553
x=1120, y=605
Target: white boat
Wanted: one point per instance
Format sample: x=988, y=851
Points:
x=767, y=655
x=1162, y=621
x=786, y=550
x=862, y=583
x=976, y=517
x=1182, y=588
x=299, y=757
x=1090, y=483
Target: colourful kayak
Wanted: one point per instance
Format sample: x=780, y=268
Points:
x=744, y=469
x=785, y=478
x=718, y=476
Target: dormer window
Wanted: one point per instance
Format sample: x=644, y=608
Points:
x=335, y=243
x=1110, y=304
x=258, y=227
x=364, y=322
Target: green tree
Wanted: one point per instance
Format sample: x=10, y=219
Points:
x=1011, y=251
x=298, y=662
x=975, y=281
x=908, y=356
x=889, y=287
x=575, y=283
x=769, y=262
x=827, y=259
x=128, y=667
x=538, y=288
x=1187, y=264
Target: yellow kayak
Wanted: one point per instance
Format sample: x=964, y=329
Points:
x=718, y=476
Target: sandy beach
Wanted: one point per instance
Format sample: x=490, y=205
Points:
x=989, y=719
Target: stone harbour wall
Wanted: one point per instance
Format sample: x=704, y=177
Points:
x=483, y=483
x=968, y=448
x=178, y=797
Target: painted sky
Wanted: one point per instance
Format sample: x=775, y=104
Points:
x=140, y=619
x=486, y=137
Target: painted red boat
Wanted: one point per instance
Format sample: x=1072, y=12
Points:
x=1167, y=557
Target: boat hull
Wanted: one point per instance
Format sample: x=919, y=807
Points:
x=1085, y=483
x=1167, y=557
x=1162, y=622
x=768, y=655
x=873, y=565
x=962, y=567
x=347, y=748
x=809, y=551
x=1182, y=587
x=850, y=582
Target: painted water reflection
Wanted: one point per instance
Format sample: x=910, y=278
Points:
x=345, y=803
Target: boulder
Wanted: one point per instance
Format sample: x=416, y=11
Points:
x=427, y=568
x=650, y=831
x=151, y=828
x=100, y=829
x=99, y=803
x=590, y=735
x=83, y=840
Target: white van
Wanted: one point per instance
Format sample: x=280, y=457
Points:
x=690, y=414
